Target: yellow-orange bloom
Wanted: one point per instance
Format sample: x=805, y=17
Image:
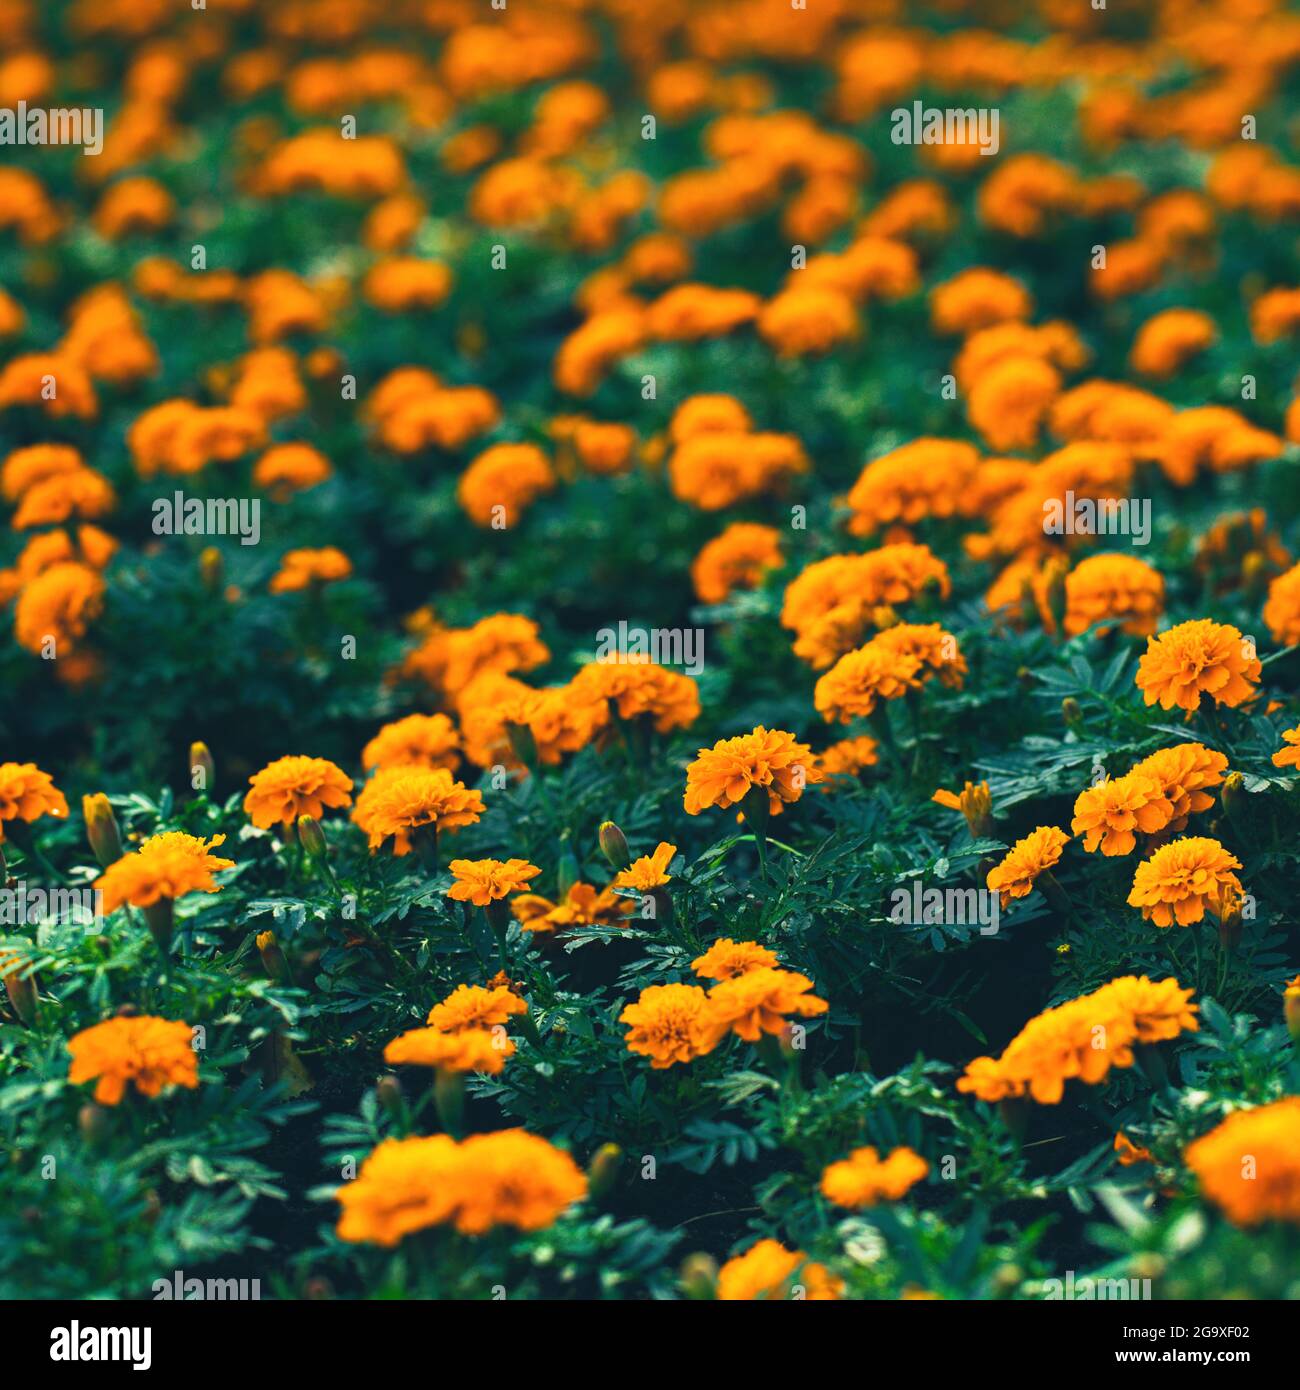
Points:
x=482, y=1050
x=864, y=1178
x=1185, y=879
x=1025, y=860
x=165, y=866
x=146, y=1051
x=502, y=482
x=723, y=775
x=769, y=1271
x=472, y=1006
x=426, y=740
x=27, y=793
x=483, y=881
x=726, y=959
x=666, y=1023
x=1290, y=755
x=757, y=1002
x=1195, y=658
x=295, y=786
x=301, y=569
x=397, y=801
x=650, y=871
x=1250, y=1165
x=1109, y=813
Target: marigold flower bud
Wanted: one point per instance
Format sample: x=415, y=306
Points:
x=203, y=770
x=699, y=1276
x=1071, y=711
x=1291, y=1009
x=212, y=567
x=92, y=1121
x=602, y=1172
x=312, y=838
x=101, y=829
x=388, y=1089
x=1233, y=793
x=613, y=845
x=274, y=961
x=20, y=986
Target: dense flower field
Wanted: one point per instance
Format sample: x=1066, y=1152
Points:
x=649, y=650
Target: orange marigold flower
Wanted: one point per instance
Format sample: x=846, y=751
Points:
x=472, y=1006
x=1195, y=658
x=81, y=492
x=922, y=479
x=405, y=1185
x=483, y=881
x=808, y=319
x=36, y=463
x=665, y=1024
x=1114, y=586
x=424, y=740
x=1290, y=755
x=769, y=1271
x=290, y=468
x=726, y=959
x=1169, y=340
x=1109, y=813
x=977, y=298
x=1183, y=772
x=1270, y=1189
x=147, y=1051
x=301, y=569
x=861, y=678
x=649, y=871
x=295, y=786
x=169, y=865
x=737, y=559
x=1282, y=608
x=403, y=283
x=27, y=793
x=864, y=1178
x=714, y=469
x=27, y=380
x=1011, y=399
x=583, y=906
x=398, y=801
x=974, y=802
x=502, y=482
x=1025, y=860
x=757, y=1002
x=708, y=414
x=637, y=687
x=723, y=775
x=1184, y=879
x=57, y=607
x=482, y=1050
x=848, y=757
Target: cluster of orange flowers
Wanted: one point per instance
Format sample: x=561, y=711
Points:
x=1083, y=1040
x=753, y=997
x=466, y=1032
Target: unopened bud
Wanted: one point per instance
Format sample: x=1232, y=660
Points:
x=699, y=1276
x=20, y=985
x=312, y=838
x=388, y=1089
x=203, y=770
x=1071, y=711
x=1291, y=1009
x=602, y=1171
x=274, y=961
x=92, y=1121
x=613, y=845
x=212, y=567
x=1233, y=793
x=101, y=829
